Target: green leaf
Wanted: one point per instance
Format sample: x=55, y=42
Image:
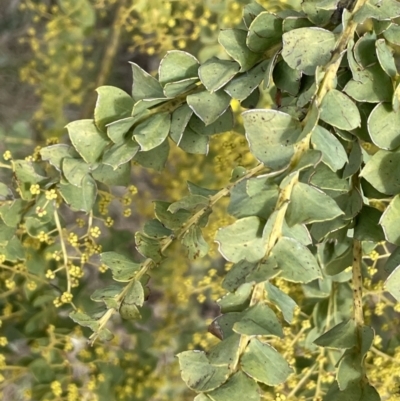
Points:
x=88, y=141
x=144, y=85
x=81, y=13
x=367, y=226
x=373, y=86
x=314, y=13
x=358, y=390
x=259, y=320
x=153, y=131
x=286, y=78
x=107, y=295
x=234, y=43
x=209, y=106
x=174, y=89
x=378, y=9
x=310, y=205
x=221, y=327
x=237, y=388
x=242, y=240
x=271, y=135
x=13, y=250
x=55, y=154
x=339, y=111
x=385, y=57
x=333, y=153
x=392, y=284
x=148, y=247
x=42, y=371
x=155, y=158
x=283, y=301
x=341, y=336
x=120, y=154
x=177, y=65
x=264, y=364
x=129, y=311
x=134, y=294
x=192, y=142
x=396, y=99
x=74, y=170
x=306, y=48
x=250, y=11
x=199, y=374
x=382, y=171
x=112, y=104
x=293, y=22
x=243, y=85
x=216, y=73
x=179, y=121
x=269, y=67
x=390, y=221
x=6, y=233
x=384, y=126
x=113, y=177
x=223, y=123
x=355, y=160
x=80, y=198
x=265, y=31
x=84, y=320
x=236, y=301
x=173, y=221
x=155, y=229
x=190, y=202
x=122, y=268
x=11, y=212
x=195, y=244
x=116, y=130
x=326, y=179
x=296, y=261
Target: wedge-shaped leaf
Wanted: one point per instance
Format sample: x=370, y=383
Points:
x=222, y=124
x=271, y=135
x=179, y=120
x=54, y=154
x=265, y=31
x=154, y=158
x=234, y=43
x=199, y=374
x=192, y=142
x=84, y=320
x=293, y=22
x=264, y=364
x=225, y=351
x=326, y=179
x=107, y=175
x=296, y=262
x=333, y=153
x=243, y=85
x=254, y=197
x=392, y=284
x=350, y=202
x=87, y=139
x=173, y=89
x=198, y=190
x=144, y=85
x=190, y=202
x=122, y=268
x=314, y=13
x=155, y=229
x=390, y=221
x=382, y=171
x=82, y=198
x=11, y=212
x=135, y=294
x=339, y=110
x=384, y=126
x=152, y=132
x=119, y=154
x=392, y=261
x=116, y=131
x=42, y=371
x=222, y=326
x=269, y=68
x=242, y=240
x=341, y=336
x=6, y=233
x=250, y=11
x=107, y=295
x=359, y=390
x=373, y=86
x=236, y=301
x=209, y=106
x=367, y=225
x=112, y=104
x=129, y=311
x=74, y=170
x=259, y=320
x=195, y=244
x=177, y=65
x=378, y=9
x=13, y=250
x=306, y=48
x=148, y=247
x=385, y=57
x=283, y=301
x=364, y=50
x=216, y=73
x=310, y=205
x=239, y=387
x=286, y=78
x=170, y=220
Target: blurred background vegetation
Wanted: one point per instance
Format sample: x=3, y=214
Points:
x=53, y=54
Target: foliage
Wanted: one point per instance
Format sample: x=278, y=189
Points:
x=313, y=217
